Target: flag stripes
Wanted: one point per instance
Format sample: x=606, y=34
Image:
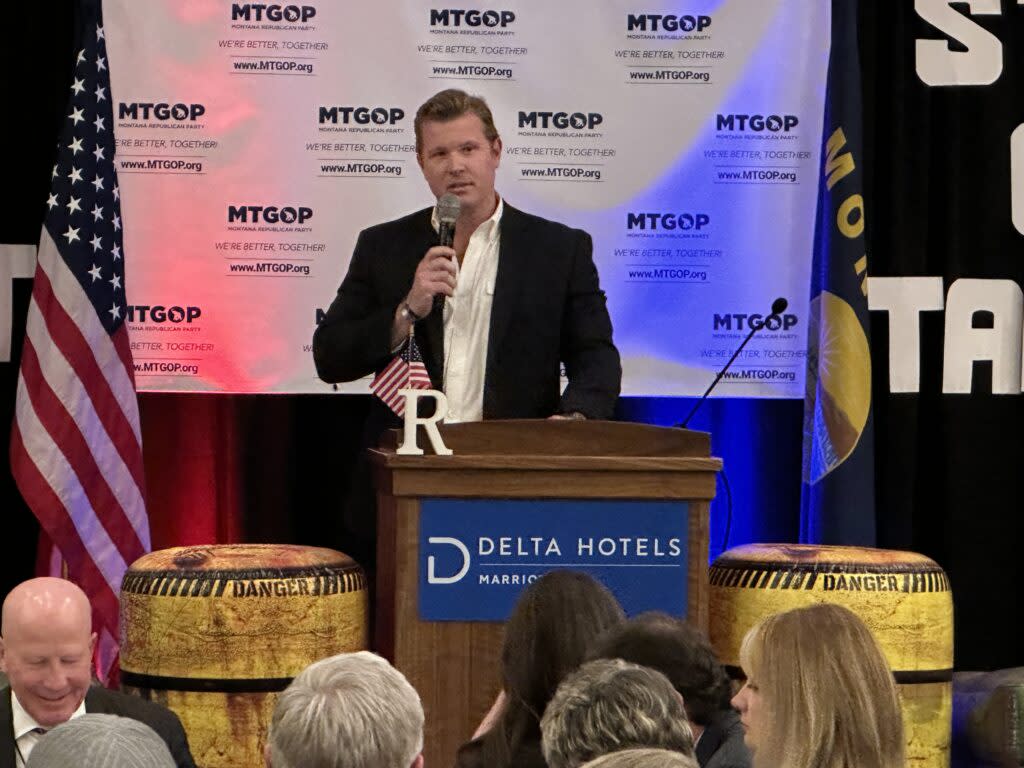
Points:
x=405, y=371
x=76, y=444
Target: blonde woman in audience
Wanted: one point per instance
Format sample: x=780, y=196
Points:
x=819, y=693
x=643, y=758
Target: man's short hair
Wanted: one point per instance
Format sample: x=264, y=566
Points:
x=679, y=652
x=610, y=705
x=353, y=710
x=643, y=758
x=96, y=740
x=448, y=105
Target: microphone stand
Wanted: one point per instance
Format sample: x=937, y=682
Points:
x=779, y=305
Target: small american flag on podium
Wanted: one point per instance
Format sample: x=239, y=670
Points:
x=405, y=371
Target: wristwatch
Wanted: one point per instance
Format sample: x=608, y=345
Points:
x=406, y=313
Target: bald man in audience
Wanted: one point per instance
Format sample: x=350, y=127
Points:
x=46, y=644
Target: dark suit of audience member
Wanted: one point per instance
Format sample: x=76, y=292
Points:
x=721, y=744
x=527, y=754
x=160, y=719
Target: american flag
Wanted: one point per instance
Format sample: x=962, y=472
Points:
x=405, y=371
x=76, y=446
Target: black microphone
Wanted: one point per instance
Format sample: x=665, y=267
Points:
x=778, y=307
x=448, y=206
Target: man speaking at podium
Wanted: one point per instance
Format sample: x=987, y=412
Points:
x=495, y=310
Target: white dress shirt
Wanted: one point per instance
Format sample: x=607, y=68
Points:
x=467, y=321
x=26, y=733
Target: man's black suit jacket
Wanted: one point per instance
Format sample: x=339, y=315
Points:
x=548, y=308
x=101, y=700
x=722, y=744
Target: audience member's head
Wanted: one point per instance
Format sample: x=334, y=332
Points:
x=554, y=621
x=609, y=705
x=101, y=741
x=46, y=643
x=819, y=693
x=679, y=652
x=546, y=637
x=643, y=758
x=353, y=710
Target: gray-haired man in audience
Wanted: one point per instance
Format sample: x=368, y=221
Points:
x=353, y=710
x=95, y=740
x=642, y=758
x=685, y=657
x=610, y=705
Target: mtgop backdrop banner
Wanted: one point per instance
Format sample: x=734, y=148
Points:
x=254, y=142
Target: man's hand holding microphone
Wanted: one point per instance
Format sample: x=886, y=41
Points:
x=435, y=276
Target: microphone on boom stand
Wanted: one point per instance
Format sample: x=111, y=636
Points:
x=778, y=307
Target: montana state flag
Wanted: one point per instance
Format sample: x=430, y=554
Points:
x=838, y=493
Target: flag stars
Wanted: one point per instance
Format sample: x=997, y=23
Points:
x=72, y=234
x=98, y=182
x=115, y=282
x=75, y=146
x=97, y=243
x=52, y=201
x=75, y=175
x=117, y=222
x=101, y=93
x=78, y=86
x=99, y=33
x=76, y=115
x=116, y=193
x=115, y=312
x=73, y=205
x=97, y=212
x=98, y=122
x=98, y=153
x=95, y=272
x=54, y=174
x=81, y=56
x=116, y=251
x=101, y=63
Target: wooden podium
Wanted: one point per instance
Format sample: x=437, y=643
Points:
x=455, y=665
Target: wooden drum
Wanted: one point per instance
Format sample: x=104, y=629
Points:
x=215, y=632
x=903, y=597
